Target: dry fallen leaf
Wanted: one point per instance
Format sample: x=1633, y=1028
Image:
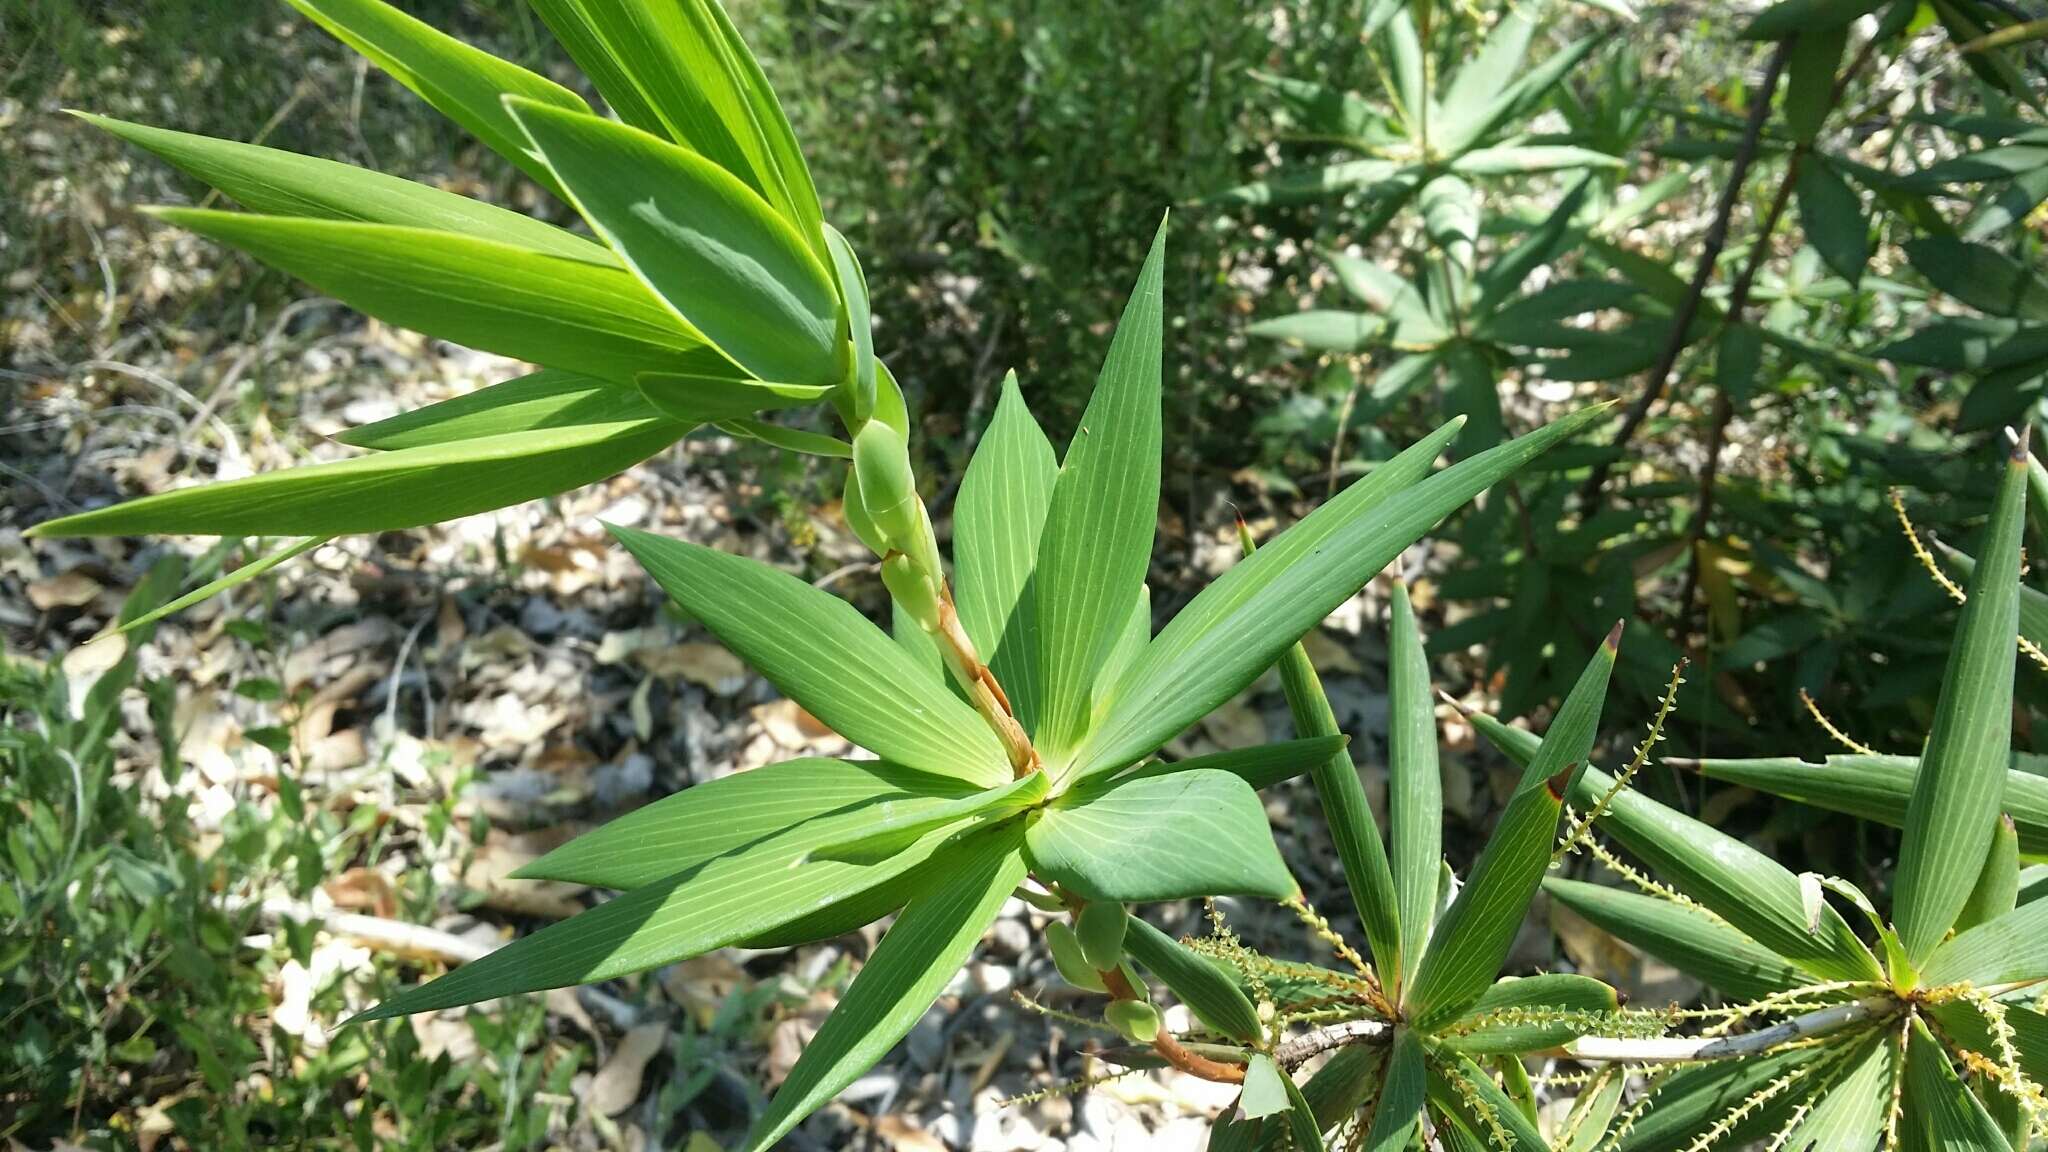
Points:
x=617, y=1084
x=1331, y=657
x=709, y=665
x=73, y=589
x=903, y=1134
x=789, y=725
x=85, y=664
x=363, y=890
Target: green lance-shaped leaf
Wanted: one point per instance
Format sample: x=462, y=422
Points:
x=1398, y=1114
x=1980, y=276
x=678, y=69
x=996, y=523
x=1383, y=290
x=1585, y=1126
x=1810, y=68
x=1210, y=993
x=968, y=883
x=1529, y=1014
x=890, y=831
x=1473, y=939
x=388, y=490
x=225, y=581
x=787, y=439
x=1305, y=1133
x=1260, y=766
x=1875, y=788
x=1832, y=215
x=1097, y=542
x=514, y=301
x=465, y=84
x=701, y=240
x=283, y=183
x=555, y=399
x=1460, y=1089
x=1687, y=938
x=1694, y=1100
x=1481, y=81
x=1531, y=86
x=1374, y=179
x=1955, y=795
x=1504, y=277
x=1201, y=833
x=823, y=654
x=1940, y=1111
x=1338, y=789
x=1240, y=625
x=1850, y=1111
x=1529, y=159
x=1753, y=892
x=1414, y=783
x=853, y=290
x=1964, y=1024
x=1998, y=885
x=2033, y=603
x=1130, y=642
x=741, y=895
x=2011, y=949
x=549, y=398
x=1343, y=1085
x=1470, y=388
x=1791, y=17
x=1322, y=330
x=2037, y=505
x=802, y=804
x=918, y=643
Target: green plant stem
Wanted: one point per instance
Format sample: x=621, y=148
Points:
x=1169, y=1049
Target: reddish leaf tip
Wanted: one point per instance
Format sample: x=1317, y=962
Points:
x=1558, y=783
x=1613, y=641
x=2018, y=439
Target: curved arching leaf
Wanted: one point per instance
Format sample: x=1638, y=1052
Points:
x=823, y=654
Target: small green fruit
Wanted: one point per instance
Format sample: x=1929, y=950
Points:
x=1136, y=1020
x=1100, y=928
x=1070, y=960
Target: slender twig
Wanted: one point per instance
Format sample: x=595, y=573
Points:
x=1311, y=1044
x=1170, y=1049
x=1738, y=304
x=1703, y=270
x=1686, y=1049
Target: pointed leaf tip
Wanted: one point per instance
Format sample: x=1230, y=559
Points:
x=1613, y=641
